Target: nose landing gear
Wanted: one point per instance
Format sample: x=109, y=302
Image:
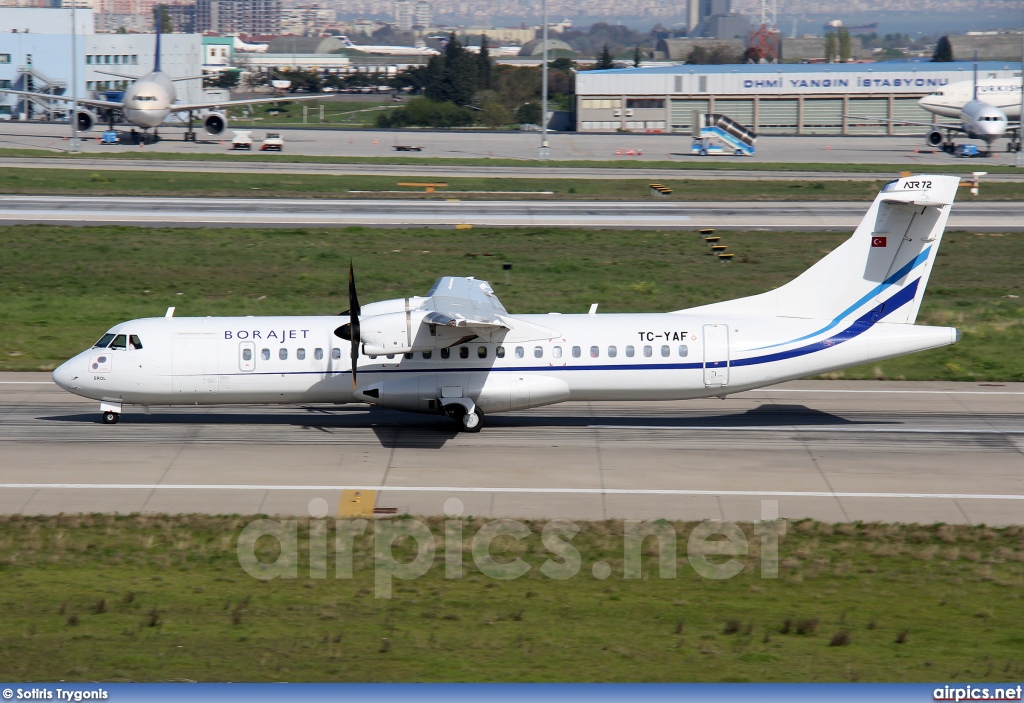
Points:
x=110, y=413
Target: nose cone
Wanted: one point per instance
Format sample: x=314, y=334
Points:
x=65, y=377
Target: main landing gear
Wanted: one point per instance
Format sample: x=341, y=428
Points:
x=110, y=418
x=468, y=419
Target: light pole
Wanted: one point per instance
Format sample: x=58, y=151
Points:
x=75, y=145
x=544, y=153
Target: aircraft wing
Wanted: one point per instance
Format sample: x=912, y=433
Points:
x=935, y=125
x=190, y=107
x=106, y=104
x=464, y=302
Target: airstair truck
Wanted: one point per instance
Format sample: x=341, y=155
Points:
x=720, y=134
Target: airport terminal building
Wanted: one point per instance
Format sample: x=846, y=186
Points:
x=771, y=99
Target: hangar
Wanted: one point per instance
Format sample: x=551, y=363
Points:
x=771, y=99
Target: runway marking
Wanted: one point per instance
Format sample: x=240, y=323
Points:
x=836, y=390
x=796, y=428
x=521, y=490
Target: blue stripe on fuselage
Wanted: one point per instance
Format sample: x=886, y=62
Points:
x=876, y=291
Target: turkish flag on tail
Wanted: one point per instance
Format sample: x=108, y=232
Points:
x=878, y=241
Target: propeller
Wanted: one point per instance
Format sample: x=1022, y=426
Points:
x=353, y=321
x=350, y=330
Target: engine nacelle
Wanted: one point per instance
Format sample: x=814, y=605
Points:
x=215, y=123
x=392, y=333
x=85, y=120
x=934, y=138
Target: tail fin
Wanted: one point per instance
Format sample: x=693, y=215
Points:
x=974, y=90
x=159, y=27
x=882, y=269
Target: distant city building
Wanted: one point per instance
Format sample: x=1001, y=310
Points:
x=259, y=17
x=404, y=15
x=424, y=14
x=182, y=17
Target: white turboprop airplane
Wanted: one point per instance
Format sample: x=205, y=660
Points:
x=457, y=351
x=149, y=100
x=388, y=50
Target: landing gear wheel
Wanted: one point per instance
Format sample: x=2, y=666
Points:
x=703, y=152
x=110, y=418
x=472, y=422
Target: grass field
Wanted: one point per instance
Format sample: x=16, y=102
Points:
x=153, y=598
x=62, y=287
x=247, y=185
x=291, y=114
x=691, y=164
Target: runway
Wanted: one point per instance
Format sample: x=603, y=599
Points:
x=834, y=451
x=269, y=212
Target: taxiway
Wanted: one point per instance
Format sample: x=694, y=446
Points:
x=834, y=451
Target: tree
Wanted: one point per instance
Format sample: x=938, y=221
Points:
x=434, y=86
x=943, y=50
x=493, y=112
x=604, y=61
x=224, y=80
x=637, y=56
x=528, y=113
x=160, y=15
x=483, y=65
x=844, y=45
x=830, y=47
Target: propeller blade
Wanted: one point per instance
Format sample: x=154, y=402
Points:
x=353, y=322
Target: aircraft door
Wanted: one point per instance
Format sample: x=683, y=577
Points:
x=194, y=364
x=428, y=391
x=716, y=355
x=247, y=356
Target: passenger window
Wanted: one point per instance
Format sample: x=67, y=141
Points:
x=538, y=352
x=120, y=342
x=247, y=355
x=500, y=352
x=683, y=351
x=613, y=352
x=318, y=354
x=134, y=342
x=335, y=353
x=595, y=352
x=427, y=354
x=481, y=352
x=463, y=352
x=300, y=354
x=665, y=350
x=629, y=351
x=520, y=353
x=576, y=352
x=556, y=352
x=445, y=353
x=282, y=354
x=104, y=341
x=265, y=355
x=648, y=351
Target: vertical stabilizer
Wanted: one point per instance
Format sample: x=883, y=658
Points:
x=974, y=88
x=881, y=271
x=159, y=27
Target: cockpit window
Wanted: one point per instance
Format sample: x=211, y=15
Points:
x=120, y=342
x=104, y=341
x=134, y=342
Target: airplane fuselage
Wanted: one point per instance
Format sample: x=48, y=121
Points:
x=1001, y=93
x=667, y=356
x=148, y=101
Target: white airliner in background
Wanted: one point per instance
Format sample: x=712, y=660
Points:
x=149, y=100
x=388, y=50
x=984, y=108
x=457, y=351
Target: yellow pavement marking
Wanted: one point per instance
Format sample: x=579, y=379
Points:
x=357, y=503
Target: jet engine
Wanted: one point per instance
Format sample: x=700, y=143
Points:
x=85, y=120
x=215, y=123
x=934, y=138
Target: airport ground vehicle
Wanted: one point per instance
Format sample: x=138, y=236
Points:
x=242, y=141
x=272, y=142
x=720, y=134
